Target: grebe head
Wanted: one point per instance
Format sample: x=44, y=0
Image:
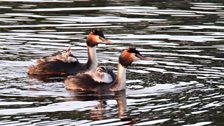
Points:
x=68, y=56
x=95, y=37
x=65, y=56
x=98, y=32
x=129, y=55
x=102, y=75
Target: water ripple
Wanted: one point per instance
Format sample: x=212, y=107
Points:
x=182, y=85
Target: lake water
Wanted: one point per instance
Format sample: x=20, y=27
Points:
x=183, y=85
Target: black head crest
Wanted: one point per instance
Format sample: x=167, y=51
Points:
x=133, y=50
x=98, y=32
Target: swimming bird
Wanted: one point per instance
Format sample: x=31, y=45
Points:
x=64, y=63
x=103, y=79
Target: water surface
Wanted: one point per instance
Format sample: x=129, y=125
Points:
x=183, y=85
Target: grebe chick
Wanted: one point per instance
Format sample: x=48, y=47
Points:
x=89, y=83
x=102, y=75
x=64, y=55
x=64, y=63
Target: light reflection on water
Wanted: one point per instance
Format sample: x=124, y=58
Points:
x=183, y=85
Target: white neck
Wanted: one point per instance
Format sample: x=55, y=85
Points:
x=92, y=58
x=120, y=84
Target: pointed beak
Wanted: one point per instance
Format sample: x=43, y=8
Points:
x=143, y=58
x=103, y=40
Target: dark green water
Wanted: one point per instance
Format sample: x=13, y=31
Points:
x=183, y=85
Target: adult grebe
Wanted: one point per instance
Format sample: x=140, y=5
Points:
x=97, y=82
x=64, y=63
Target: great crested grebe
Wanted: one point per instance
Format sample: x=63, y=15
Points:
x=97, y=82
x=64, y=63
x=64, y=55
